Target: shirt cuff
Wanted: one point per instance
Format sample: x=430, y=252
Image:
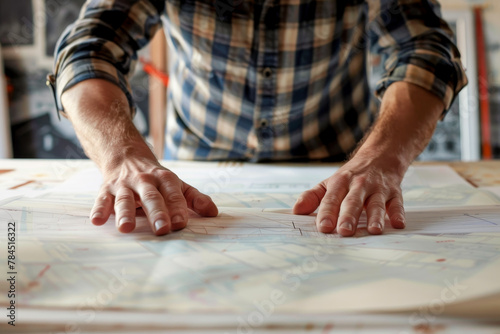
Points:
x=445, y=80
x=85, y=69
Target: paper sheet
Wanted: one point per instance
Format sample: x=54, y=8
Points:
x=113, y=322
x=233, y=263
x=228, y=264
x=271, y=186
x=260, y=178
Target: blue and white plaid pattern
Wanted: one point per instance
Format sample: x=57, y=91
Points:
x=266, y=79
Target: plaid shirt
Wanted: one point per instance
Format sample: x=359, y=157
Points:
x=265, y=79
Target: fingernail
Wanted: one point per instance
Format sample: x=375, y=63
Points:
x=346, y=226
x=177, y=219
x=327, y=223
x=96, y=215
x=376, y=225
x=124, y=220
x=159, y=224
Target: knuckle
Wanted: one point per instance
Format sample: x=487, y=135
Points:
x=341, y=178
x=396, y=198
x=331, y=200
x=123, y=199
x=170, y=183
x=120, y=184
x=396, y=193
x=201, y=201
x=167, y=176
x=361, y=180
x=174, y=197
x=320, y=187
x=190, y=192
x=150, y=195
x=376, y=201
x=394, y=185
x=157, y=213
x=384, y=192
x=97, y=207
x=376, y=206
x=144, y=177
x=397, y=208
x=352, y=201
x=167, y=173
x=310, y=196
x=345, y=175
x=103, y=198
x=124, y=213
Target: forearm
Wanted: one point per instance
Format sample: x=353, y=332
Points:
x=407, y=120
x=100, y=114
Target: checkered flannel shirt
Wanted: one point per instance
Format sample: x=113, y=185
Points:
x=265, y=79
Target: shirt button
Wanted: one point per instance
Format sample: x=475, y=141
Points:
x=266, y=134
x=267, y=72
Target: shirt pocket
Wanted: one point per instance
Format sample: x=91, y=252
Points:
x=215, y=36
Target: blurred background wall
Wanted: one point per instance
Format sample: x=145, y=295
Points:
x=29, y=30
x=491, y=20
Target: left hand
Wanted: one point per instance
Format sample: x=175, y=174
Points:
x=371, y=179
x=373, y=184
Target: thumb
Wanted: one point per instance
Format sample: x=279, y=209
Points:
x=198, y=202
x=309, y=200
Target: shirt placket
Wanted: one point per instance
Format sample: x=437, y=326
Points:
x=267, y=63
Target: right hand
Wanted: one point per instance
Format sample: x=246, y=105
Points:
x=133, y=177
x=162, y=195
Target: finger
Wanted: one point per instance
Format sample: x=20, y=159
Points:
x=350, y=210
x=198, y=202
x=396, y=211
x=309, y=200
x=328, y=211
x=176, y=204
x=154, y=206
x=125, y=210
x=103, y=206
x=375, y=213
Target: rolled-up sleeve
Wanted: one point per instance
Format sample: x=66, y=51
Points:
x=103, y=43
x=418, y=45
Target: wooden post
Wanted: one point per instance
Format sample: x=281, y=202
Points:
x=484, y=101
x=158, y=94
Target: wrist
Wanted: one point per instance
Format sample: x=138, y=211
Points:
x=389, y=154
x=134, y=154
x=407, y=118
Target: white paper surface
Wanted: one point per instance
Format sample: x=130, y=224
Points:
x=276, y=186
x=260, y=178
x=113, y=322
x=229, y=264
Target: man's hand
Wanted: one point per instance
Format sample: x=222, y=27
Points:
x=371, y=179
x=133, y=177
x=162, y=195
x=360, y=183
